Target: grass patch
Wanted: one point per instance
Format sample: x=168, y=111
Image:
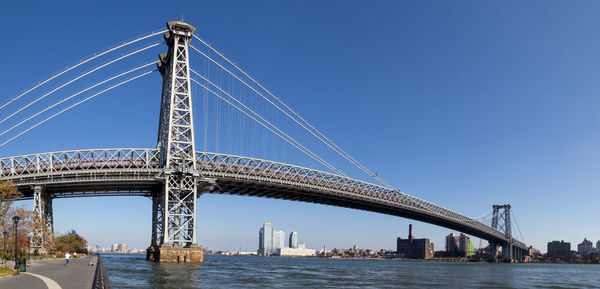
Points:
x=5, y=271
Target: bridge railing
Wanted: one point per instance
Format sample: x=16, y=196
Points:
x=79, y=160
x=225, y=165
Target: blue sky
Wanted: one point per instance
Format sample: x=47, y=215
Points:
x=464, y=103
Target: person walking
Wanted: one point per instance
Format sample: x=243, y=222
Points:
x=67, y=256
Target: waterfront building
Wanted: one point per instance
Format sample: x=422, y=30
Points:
x=584, y=248
x=558, y=249
x=293, y=240
x=463, y=245
x=452, y=245
x=296, y=252
x=114, y=248
x=458, y=246
x=414, y=248
x=265, y=240
x=598, y=246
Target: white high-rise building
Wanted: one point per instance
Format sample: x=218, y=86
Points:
x=278, y=240
x=293, y=240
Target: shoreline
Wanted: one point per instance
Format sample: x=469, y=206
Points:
x=441, y=260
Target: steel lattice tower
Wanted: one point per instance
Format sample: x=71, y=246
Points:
x=42, y=209
x=174, y=207
x=501, y=222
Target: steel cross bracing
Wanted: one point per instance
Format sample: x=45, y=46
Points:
x=176, y=212
x=138, y=169
x=502, y=222
x=42, y=209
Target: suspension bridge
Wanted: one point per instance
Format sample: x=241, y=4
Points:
x=174, y=174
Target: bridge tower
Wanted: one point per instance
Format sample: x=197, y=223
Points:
x=501, y=222
x=174, y=205
x=42, y=208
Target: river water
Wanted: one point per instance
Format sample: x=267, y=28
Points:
x=133, y=271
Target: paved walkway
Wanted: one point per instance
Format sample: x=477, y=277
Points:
x=52, y=274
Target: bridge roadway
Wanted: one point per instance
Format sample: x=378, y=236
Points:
x=135, y=172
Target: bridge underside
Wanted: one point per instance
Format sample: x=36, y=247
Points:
x=246, y=188
x=147, y=186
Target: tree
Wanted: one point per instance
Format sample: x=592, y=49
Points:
x=70, y=242
x=8, y=193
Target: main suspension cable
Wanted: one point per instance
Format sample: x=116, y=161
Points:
x=76, y=104
x=314, y=131
x=307, y=152
x=81, y=63
x=80, y=76
x=76, y=94
x=485, y=215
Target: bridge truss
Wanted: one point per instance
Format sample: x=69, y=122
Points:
x=137, y=172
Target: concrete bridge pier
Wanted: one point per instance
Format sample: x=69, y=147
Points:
x=519, y=254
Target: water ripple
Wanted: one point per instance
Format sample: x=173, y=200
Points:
x=133, y=271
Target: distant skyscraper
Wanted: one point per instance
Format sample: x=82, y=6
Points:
x=294, y=240
x=265, y=240
x=115, y=248
x=123, y=247
x=270, y=240
x=261, y=244
x=278, y=240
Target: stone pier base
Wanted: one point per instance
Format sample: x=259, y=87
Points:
x=175, y=254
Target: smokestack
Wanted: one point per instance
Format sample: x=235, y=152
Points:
x=410, y=236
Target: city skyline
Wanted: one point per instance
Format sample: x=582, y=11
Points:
x=481, y=121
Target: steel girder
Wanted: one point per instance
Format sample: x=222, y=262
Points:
x=124, y=167
x=176, y=142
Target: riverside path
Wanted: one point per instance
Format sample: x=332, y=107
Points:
x=53, y=274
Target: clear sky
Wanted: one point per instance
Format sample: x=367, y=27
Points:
x=463, y=103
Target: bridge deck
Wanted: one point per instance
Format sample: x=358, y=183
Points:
x=135, y=172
